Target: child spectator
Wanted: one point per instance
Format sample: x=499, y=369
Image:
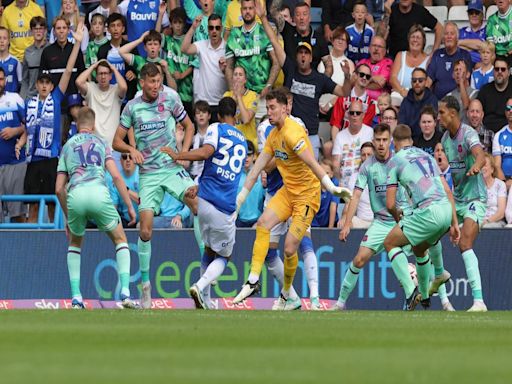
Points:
x=70, y=128
x=360, y=33
x=98, y=35
x=202, y=117
x=11, y=65
x=71, y=13
x=383, y=102
x=32, y=58
x=327, y=215
x=496, y=195
x=485, y=73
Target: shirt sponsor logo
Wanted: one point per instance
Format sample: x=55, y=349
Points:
x=247, y=52
x=380, y=188
x=152, y=126
x=143, y=16
x=280, y=155
x=457, y=165
x=7, y=116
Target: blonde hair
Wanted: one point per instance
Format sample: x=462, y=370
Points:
x=489, y=157
x=75, y=17
x=488, y=45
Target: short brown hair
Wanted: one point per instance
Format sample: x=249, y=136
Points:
x=86, y=117
x=402, y=132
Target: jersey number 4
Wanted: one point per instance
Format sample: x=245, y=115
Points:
x=235, y=161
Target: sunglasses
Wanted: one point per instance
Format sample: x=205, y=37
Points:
x=125, y=156
x=366, y=76
x=508, y=108
x=418, y=79
x=216, y=27
x=473, y=12
x=355, y=113
x=500, y=69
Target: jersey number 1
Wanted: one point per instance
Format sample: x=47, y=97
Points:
x=89, y=157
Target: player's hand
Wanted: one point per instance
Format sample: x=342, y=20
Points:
x=176, y=222
x=8, y=133
x=191, y=193
x=130, y=75
x=136, y=156
x=455, y=234
x=474, y=170
x=344, y=233
x=343, y=193
x=133, y=216
x=170, y=152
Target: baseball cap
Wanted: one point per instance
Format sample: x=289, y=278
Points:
x=250, y=148
x=476, y=5
x=74, y=99
x=44, y=76
x=305, y=45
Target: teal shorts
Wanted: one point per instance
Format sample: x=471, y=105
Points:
x=377, y=233
x=91, y=202
x=427, y=224
x=152, y=187
x=474, y=210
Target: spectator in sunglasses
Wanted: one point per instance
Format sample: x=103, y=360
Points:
x=418, y=97
x=380, y=66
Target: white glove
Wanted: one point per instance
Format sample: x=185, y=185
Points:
x=341, y=192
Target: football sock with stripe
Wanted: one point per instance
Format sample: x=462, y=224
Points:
x=74, y=271
x=441, y=292
x=144, y=249
x=349, y=282
x=213, y=271
x=473, y=272
x=310, y=265
x=205, y=262
x=423, y=270
x=276, y=268
x=123, y=267
x=259, y=252
x=436, y=255
x=400, y=267
x=290, y=267
x=197, y=235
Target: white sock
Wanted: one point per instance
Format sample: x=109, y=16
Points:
x=311, y=269
x=213, y=271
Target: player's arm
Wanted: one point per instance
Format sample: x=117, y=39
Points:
x=454, y=228
x=333, y=208
x=125, y=50
x=121, y=188
x=351, y=211
x=262, y=160
x=60, y=191
x=68, y=71
x=479, y=155
x=119, y=145
x=271, y=165
x=199, y=154
x=391, y=201
x=279, y=51
x=186, y=44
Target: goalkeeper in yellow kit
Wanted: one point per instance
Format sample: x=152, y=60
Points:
x=298, y=198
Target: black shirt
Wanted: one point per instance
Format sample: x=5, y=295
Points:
x=400, y=23
x=306, y=90
x=493, y=103
x=292, y=39
x=428, y=145
x=336, y=12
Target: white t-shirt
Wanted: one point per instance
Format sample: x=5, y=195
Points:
x=498, y=189
x=107, y=106
x=209, y=81
x=338, y=76
x=348, y=148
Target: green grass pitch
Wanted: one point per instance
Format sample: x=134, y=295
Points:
x=175, y=346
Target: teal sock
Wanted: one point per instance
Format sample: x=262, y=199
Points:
x=144, y=249
x=74, y=270
x=401, y=269
x=441, y=292
x=423, y=270
x=123, y=267
x=471, y=264
x=349, y=282
x=436, y=255
x=197, y=234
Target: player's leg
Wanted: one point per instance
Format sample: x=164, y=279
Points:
x=203, y=227
x=423, y=271
x=307, y=252
x=441, y=276
x=191, y=200
x=362, y=257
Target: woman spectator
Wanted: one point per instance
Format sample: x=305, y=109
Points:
x=406, y=61
x=340, y=39
x=430, y=135
x=496, y=195
x=390, y=117
x=71, y=13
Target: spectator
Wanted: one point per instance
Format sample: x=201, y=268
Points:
x=234, y=16
x=494, y=96
x=173, y=214
x=464, y=93
x=51, y=9
x=485, y=73
x=430, y=135
x=43, y=124
x=340, y=120
x=304, y=82
x=104, y=98
x=327, y=215
x=498, y=30
x=16, y=18
x=360, y=33
x=364, y=214
x=130, y=174
x=302, y=32
x=12, y=158
x=444, y=166
x=475, y=116
x=417, y=97
x=202, y=117
x=69, y=127
x=340, y=40
x=376, y=11
x=252, y=208
x=140, y=17
x=380, y=67
x=286, y=12
x=347, y=145
x=383, y=102
x=71, y=14
x=32, y=58
x=105, y=8
x=390, y=117
x=496, y=195
x=209, y=81
x=247, y=104
x=508, y=211
x=181, y=65
x=404, y=15
x=502, y=148
x=440, y=69
x=249, y=47
x=97, y=33
x=406, y=61
x=56, y=56
x=336, y=14
x=10, y=65
x=472, y=36
x=208, y=8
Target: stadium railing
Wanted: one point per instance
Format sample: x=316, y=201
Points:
x=43, y=201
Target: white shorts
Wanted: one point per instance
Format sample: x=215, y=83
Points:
x=218, y=229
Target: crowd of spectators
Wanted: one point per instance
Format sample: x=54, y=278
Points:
x=365, y=64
